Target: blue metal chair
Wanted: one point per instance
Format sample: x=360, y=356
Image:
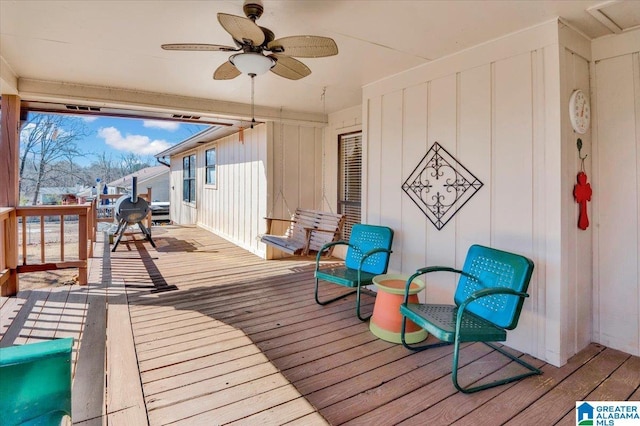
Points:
x=368, y=252
x=488, y=301
x=35, y=383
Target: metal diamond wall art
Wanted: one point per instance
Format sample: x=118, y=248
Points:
x=440, y=185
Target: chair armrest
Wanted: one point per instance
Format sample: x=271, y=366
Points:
x=330, y=231
x=371, y=253
x=327, y=246
x=491, y=291
x=483, y=293
x=271, y=219
x=278, y=219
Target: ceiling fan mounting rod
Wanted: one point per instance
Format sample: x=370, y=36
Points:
x=253, y=9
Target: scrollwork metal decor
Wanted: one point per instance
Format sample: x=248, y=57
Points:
x=440, y=185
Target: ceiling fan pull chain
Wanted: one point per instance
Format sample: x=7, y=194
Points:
x=253, y=115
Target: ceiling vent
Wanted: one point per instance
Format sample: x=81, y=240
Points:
x=82, y=108
x=617, y=16
x=186, y=117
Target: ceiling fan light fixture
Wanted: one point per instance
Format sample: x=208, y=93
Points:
x=252, y=63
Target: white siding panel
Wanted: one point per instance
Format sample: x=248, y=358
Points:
x=512, y=180
x=372, y=162
x=474, y=142
x=307, y=171
x=414, y=146
x=442, y=128
x=578, y=248
x=390, y=170
x=512, y=155
x=617, y=190
x=292, y=169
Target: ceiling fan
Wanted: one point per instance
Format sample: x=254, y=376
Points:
x=254, y=41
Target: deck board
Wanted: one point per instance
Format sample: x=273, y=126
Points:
x=200, y=331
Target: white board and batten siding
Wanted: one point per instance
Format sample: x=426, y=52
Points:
x=616, y=200
x=496, y=109
x=273, y=169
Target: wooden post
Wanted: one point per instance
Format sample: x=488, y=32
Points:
x=149, y=219
x=82, y=246
x=9, y=192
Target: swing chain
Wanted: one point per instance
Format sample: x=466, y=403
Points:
x=324, y=186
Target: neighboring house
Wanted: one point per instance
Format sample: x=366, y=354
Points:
x=155, y=177
x=502, y=111
x=57, y=195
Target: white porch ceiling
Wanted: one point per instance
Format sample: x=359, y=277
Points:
x=116, y=44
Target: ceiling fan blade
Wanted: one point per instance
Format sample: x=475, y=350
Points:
x=241, y=29
x=304, y=46
x=198, y=47
x=289, y=68
x=226, y=71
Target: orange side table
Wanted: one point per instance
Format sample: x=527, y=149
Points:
x=386, y=320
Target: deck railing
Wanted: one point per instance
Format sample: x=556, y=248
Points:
x=8, y=246
x=17, y=230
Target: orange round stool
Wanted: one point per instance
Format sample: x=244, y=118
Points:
x=386, y=321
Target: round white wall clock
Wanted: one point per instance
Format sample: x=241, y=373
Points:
x=579, y=112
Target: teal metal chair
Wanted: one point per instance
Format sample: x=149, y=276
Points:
x=35, y=383
x=488, y=301
x=368, y=252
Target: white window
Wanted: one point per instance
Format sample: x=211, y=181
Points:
x=189, y=178
x=210, y=166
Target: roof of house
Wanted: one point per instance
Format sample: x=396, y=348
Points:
x=143, y=175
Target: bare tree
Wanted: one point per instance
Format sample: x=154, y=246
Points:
x=105, y=168
x=131, y=163
x=47, y=140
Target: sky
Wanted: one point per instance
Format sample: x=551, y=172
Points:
x=120, y=137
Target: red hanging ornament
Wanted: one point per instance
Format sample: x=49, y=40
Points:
x=582, y=193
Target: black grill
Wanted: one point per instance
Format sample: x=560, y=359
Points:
x=130, y=210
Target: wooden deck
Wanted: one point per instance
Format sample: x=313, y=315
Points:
x=199, y=331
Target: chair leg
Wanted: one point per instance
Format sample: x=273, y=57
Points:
x=454, y=370
x=326, y=302
x=360, y=317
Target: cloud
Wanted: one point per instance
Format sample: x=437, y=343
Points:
x=89, y=118
x=171, y=126
x=138, y=144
